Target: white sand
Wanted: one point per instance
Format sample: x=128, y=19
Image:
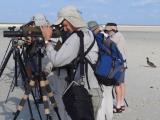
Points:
x=142, y=82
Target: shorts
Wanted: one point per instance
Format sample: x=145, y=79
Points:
x=121, y=80
x=118, y=74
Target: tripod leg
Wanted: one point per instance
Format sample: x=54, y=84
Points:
x=30, y=109
x=5, y=62
x=11, y=88
x=15, y=73
x=36, y=106
x=28, y=87
x=9, y=91
x=49, y=117
x=45, y=98
x=52, y=99
x=24, y=98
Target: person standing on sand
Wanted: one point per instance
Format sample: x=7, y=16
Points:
x=107, y=102
x=70, y=18
x=118, y=38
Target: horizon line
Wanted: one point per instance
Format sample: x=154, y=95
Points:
x=100, y=24
x=151, y=28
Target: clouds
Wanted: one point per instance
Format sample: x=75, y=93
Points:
x=122, y=11
x=145, y=2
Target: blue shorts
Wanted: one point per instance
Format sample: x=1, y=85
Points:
x=119, y=74
x=122, y=77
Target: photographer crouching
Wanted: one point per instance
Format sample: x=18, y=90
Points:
x=33, y=53
x=70, y=18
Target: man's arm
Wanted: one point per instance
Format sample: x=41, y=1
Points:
x=66, y=54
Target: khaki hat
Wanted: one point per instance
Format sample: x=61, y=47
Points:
x=71, y=14
x=40, y=20
x=92, y=25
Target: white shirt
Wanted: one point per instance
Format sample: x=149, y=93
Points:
x=69, y=51
x=119, y=39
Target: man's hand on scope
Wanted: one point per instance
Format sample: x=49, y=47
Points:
x=46, y=32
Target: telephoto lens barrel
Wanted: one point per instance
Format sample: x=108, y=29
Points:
x=29, y=31
x=12, y=34
x=24, y=31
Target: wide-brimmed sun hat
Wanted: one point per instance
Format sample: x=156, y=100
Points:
x=71, y=14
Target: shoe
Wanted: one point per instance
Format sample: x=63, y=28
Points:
x=123, y=108
x=117, y=110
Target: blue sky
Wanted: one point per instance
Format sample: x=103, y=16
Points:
x=128, y=12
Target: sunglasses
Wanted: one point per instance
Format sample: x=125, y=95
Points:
x=107, y=31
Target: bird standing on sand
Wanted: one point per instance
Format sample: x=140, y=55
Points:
x=151, y=64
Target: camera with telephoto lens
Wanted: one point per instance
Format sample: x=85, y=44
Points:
x=30, y=30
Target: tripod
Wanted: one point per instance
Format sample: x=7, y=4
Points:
x=45, y=89
x=16, y=51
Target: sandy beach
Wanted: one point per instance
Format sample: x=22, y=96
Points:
x=142, y=81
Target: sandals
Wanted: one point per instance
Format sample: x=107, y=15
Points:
x=117, y=110
x=123, y=108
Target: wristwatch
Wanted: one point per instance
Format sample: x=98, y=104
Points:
x=47, y=41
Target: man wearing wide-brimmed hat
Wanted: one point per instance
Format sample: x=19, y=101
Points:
x=118, y=38
x=71, y=20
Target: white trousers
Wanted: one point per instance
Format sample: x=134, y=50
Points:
x=106, y=110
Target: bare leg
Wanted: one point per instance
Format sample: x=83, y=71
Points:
x=118, y=96
x=123, y=93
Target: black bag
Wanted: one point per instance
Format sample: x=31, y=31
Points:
x=78, y=102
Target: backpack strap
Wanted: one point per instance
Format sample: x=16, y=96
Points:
x=82, y=55
x=93, y=66
x=90, y=47
x=81, y=52
x=107, y=50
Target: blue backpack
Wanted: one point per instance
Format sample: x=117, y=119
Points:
x=109, y=69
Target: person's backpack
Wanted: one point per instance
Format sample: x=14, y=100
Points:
x=110, y=64
x=109, y=68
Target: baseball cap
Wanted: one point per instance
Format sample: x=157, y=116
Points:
x=93, y=25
